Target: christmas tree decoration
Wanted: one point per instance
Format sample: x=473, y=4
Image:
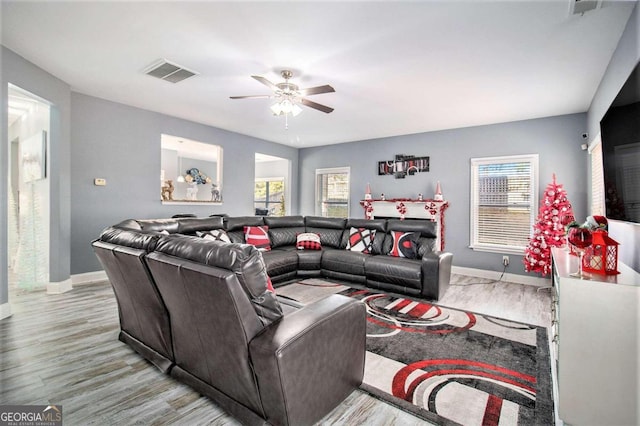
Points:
x=549, y=229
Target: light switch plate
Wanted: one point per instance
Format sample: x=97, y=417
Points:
x=100, y=182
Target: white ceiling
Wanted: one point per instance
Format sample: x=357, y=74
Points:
x=397, y=67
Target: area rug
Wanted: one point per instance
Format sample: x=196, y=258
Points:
x=449, y=366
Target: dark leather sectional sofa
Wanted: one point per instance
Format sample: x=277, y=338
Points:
x=427, y=276
x=202, y=310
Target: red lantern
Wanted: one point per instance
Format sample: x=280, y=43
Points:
x=602, y=256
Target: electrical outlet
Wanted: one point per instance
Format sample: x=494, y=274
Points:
x=505, y=260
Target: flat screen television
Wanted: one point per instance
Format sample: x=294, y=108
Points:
x=620, y=133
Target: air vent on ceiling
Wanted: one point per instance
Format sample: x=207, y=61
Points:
x=169, y=71
x=578, y=7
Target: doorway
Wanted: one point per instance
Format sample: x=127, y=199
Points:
x=28, y=130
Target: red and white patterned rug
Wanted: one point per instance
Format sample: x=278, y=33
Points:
x=449, y=366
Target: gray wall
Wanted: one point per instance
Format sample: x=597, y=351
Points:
x=556, y=139
x=623, y=61
x=20, y=72
x=122, y=144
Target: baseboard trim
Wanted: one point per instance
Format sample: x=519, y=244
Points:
x=59, y=287
x=88, y=278
x=5, y=311
x=495, y=275
x=97, y=276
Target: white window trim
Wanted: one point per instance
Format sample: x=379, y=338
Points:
x=263, y=179
x=474, y=198
x=343, y=169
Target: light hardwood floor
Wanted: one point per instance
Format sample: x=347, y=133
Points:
x=63, y=349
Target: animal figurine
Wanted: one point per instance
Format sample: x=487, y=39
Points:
x=167, y=190
x=215, y=193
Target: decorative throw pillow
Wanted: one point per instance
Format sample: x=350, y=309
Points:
x=215, y=235
x=405, y=244
x=270, y=286
x=308, y=241
x=361, y=239
x=258, y=236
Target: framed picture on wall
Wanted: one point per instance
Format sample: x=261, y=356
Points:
x=33, y=156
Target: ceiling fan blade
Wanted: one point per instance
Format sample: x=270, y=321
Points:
x=252, y=97
x=315, y=105
x=317, y=90
x=265, y=82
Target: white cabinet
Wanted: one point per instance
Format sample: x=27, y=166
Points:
x=597, y=336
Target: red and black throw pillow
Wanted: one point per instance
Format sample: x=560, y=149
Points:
x=215, y=235
x=258, y=236
x=308, y=241
x=270, y=286
x=405, y=244
x=361, y=239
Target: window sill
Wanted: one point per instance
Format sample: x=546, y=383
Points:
x=191, y=203
x=499, y=249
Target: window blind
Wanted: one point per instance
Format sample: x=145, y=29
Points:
x=503, y=202
x=597, y=180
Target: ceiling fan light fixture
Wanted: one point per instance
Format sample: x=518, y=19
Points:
x=289, y=97
x=276, y=108
x=285, y=107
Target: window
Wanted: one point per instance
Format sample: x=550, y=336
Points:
x=503, y=200
x=332, y=192
x=190, y=171
x=269, y=195
x=597, y=178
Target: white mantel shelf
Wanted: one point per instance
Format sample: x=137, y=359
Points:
x=413, y=209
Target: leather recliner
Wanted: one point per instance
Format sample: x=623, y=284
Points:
x=231, y=339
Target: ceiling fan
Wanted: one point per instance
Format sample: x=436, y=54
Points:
x=289, y=96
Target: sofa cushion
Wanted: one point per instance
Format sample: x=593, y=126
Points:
x=347, y=262
x=329, y=228
x=281, y=237
x=215, y=235
x=191, y=225
x=135, y=239
x=284, y=221
x=158, y=225
x=404, y=244
x=361, y=240
x=235, y=226
x=283, y=230
x=279, y=262
x=308, y=241
x=310, y=260
x=395, y=270
x=238, y=223
x=258, y=236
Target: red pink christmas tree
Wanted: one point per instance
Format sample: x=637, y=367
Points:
x=549, y=230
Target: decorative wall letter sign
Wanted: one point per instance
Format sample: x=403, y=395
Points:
x=403, y=165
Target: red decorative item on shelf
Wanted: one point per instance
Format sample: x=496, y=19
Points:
x=602, y=256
